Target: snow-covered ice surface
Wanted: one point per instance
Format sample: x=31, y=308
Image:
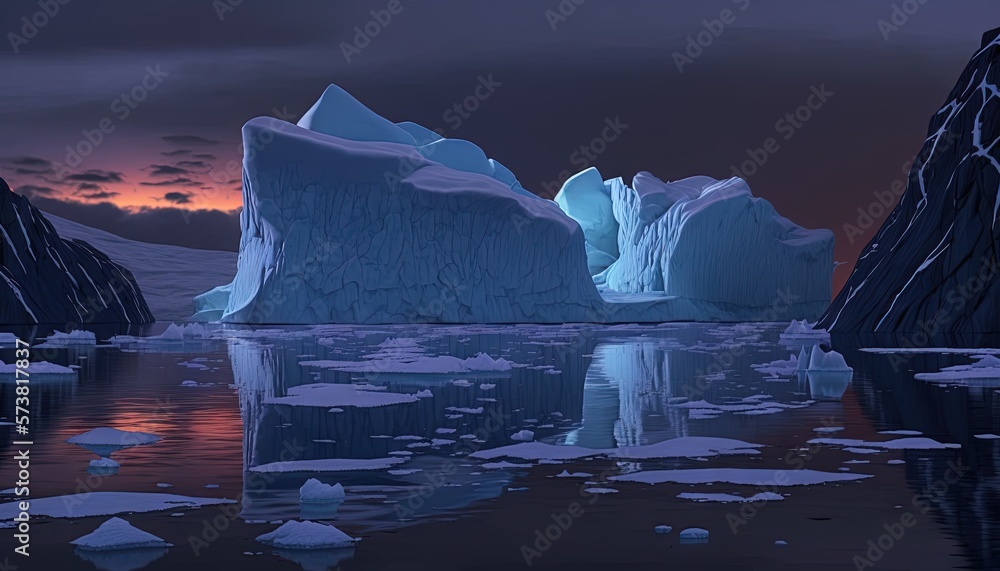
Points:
x=118, y=534
x=333, y=395
x=105, y=440
x=314, y=491
x=163, y=272
x=91, y=504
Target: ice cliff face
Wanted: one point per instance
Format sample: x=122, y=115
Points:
x=700, y=239
x=933, y=265
x=45, y=279
x=350, y=218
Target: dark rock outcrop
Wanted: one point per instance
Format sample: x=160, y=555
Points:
x=45, y=279
x=933, y=266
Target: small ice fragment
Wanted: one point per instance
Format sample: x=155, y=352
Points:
x=663, y=529
x=316, y=492
x=781, y=542
x=523, y=436
x=601, y=490
x=693, y=535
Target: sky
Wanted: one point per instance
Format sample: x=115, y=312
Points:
x=127, y=116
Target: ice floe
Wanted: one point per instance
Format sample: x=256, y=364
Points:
x=523, y=436
x=897, y=444
x=316, y=492
x=731, y=498
x=329, y=465
x=741, y=476
x=328, y=395
x=985, y=369
x=684, y=447
x=694, y=535
x=105, y=440
x=107, y=503
x=418, y=364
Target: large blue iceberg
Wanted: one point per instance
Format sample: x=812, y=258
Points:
x=350, y=218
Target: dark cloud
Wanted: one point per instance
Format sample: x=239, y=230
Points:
x=204, y=156
x=192, y=140
x=203, y=229
x=88, y=186
x=194, y=165
x=182, y=181
x=28, y=166
x=177, y=153
x=166, y=170
x=178, y=197
x=102, y=195
x=96, y=175
x=31, y=191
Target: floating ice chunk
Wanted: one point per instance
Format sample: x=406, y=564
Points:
x=37, y=369
x=418, y=364
x=504, y=465
x=424, y=394
x=600, y=491
x=107, y=503
x=901, y=432
x=115, y=534
x=987, y=436
x=329, y=465
x=75, y=337
x=741, y=476
x=685, y=447
x=328, y=395
x=830, y=362
x=986, y=368
x=803, y=330
x=663, y=529
x=523, y=436
x=781, y=542
x=694, y=535
x=105, y=466
x=730, y=498
x=828, y=429
x=8, y=339
x=105, y=440
x=465, y=410
x=896, y=462
x=461, y=383
x=778, y=368
x=307, y=535
x=854, y=450
x=897, y=444
x=316, y=492
x=567, y=474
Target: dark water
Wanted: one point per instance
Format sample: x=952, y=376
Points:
x=596, y=387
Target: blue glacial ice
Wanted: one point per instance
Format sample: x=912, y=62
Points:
x=350, y=218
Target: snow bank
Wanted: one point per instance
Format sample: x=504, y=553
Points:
x=115, y=534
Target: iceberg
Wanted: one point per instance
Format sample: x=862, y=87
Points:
x=694, y=535
x=350, y=218
x=985, y=370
